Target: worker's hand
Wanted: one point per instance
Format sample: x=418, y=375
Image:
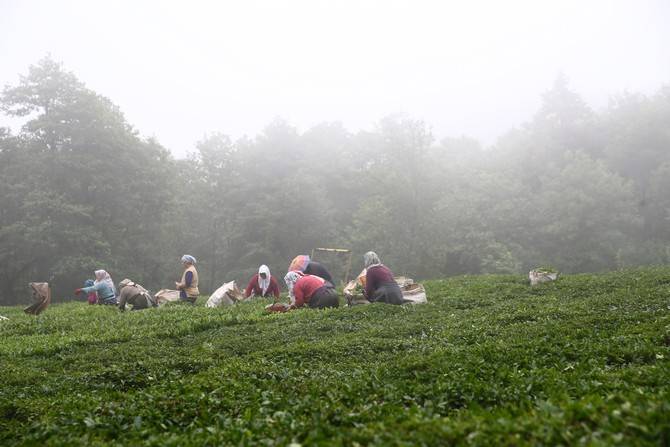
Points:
x=77, y=291
x=177, y=285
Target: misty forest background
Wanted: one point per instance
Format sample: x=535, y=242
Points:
x=574, y=188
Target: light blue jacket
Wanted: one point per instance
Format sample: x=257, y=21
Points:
x=106, y=294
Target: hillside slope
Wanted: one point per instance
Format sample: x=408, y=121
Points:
x=488, y=361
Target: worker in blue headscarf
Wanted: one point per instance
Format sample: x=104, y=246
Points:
x=188, y=286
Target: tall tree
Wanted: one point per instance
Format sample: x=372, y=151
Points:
x=92, y=192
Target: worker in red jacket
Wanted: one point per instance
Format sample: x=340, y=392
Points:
x=380, y=286
x=310, y=290
x=263, y=284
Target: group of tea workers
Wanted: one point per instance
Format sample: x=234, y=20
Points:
x=309, y=285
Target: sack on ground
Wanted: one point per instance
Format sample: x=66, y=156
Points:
x=166, y=296
x=353, y=291
x=414, y=293
x=226, y=295
x=277, y=307
x=539, y=276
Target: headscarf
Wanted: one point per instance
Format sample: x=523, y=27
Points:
x=188, y=258
x=299, y=263
x=290, y=279
x=264, y=283
x=103, y=276
x=371, y=259
x=124, y=283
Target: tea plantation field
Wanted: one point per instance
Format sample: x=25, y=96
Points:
x=489, y=361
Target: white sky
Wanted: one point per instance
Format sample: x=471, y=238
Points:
x=181, y=69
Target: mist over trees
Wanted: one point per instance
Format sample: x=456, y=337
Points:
x=575, y=188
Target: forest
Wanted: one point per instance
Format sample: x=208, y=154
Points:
x=577, y=189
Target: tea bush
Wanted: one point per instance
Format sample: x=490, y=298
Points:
x=488, y=361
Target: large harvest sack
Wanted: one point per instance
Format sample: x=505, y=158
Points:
x=403, y=281
x=539, y=276
x=411, y=292
x=166, y=296
x=353, y=291
x=226, y=295
x=414, y=293
x=41, y=298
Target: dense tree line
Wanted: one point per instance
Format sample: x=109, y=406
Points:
x=80, y=189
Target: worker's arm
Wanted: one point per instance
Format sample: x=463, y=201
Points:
x=250, y=288
x=299, y=295
x=188, y=278
x=123, y=298
x=93, y=288
x=275, y=288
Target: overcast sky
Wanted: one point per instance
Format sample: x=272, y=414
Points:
x=179, y=69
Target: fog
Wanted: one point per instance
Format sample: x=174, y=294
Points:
x=179, y=70
x=449, y=139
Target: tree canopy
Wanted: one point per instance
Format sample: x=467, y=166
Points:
x=80, y=189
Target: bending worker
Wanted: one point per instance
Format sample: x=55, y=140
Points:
x=304, y=264
x=135, y=295
x=380, y=286
x=312, y=290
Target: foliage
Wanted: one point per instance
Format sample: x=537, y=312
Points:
x=81, y=190
x=488, y=361
x=580, y=189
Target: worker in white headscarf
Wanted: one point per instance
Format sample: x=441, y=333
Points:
x=188, y=286
x=262, y=284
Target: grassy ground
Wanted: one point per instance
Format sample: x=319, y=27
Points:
x=488, y=361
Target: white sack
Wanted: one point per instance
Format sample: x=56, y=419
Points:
x=226, y=295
